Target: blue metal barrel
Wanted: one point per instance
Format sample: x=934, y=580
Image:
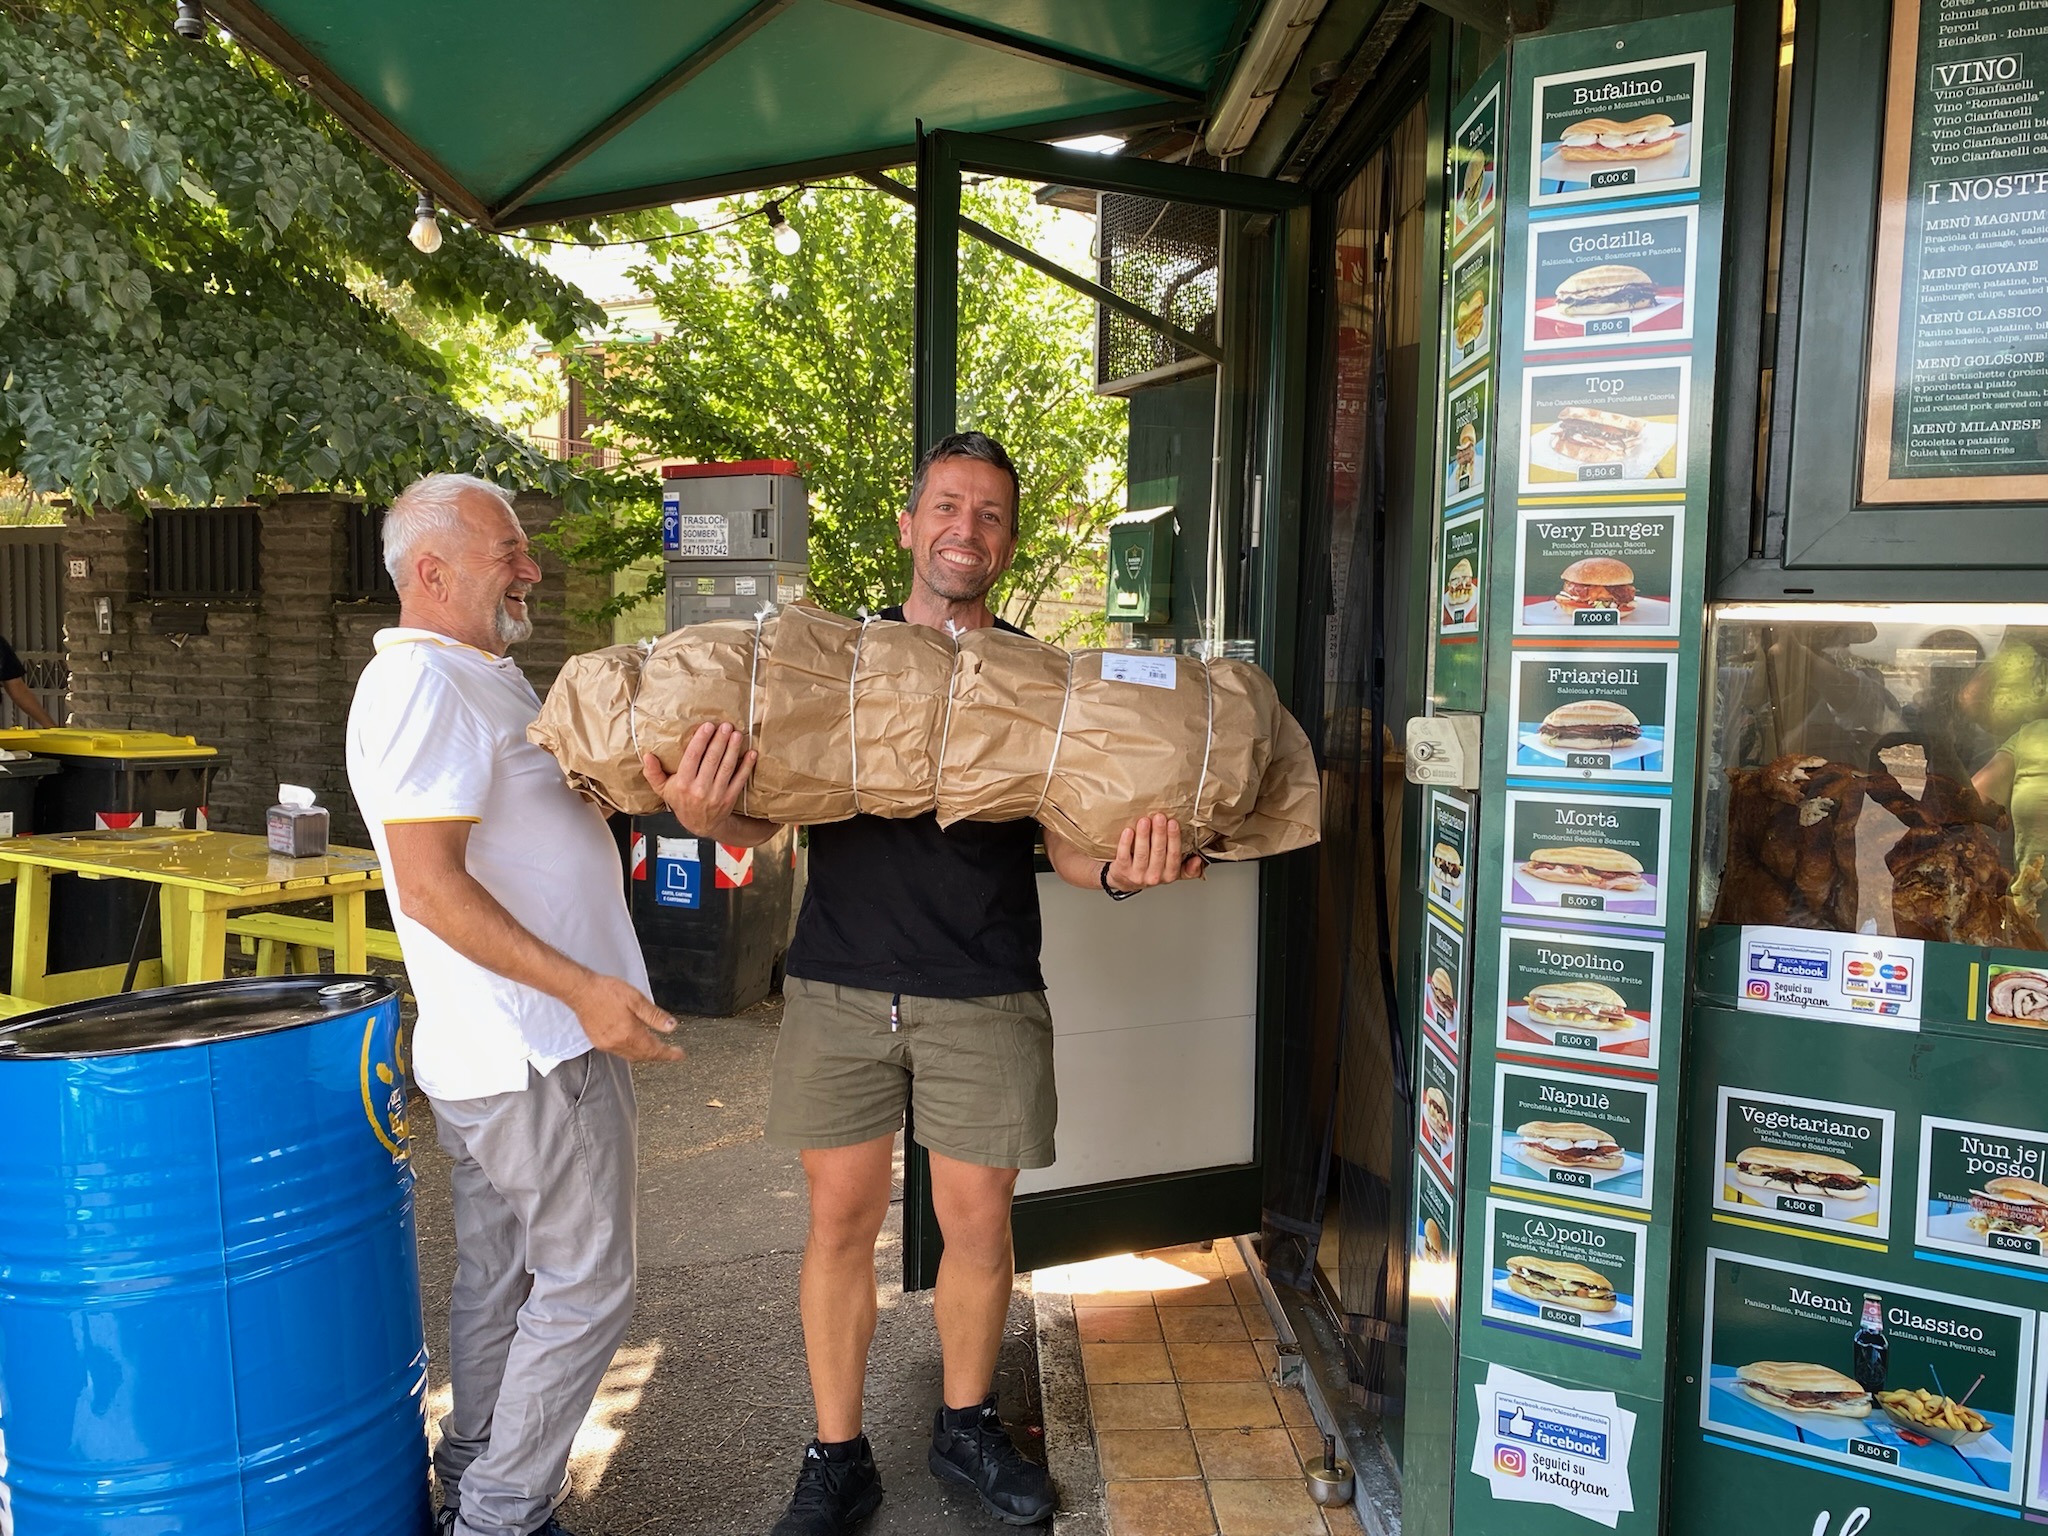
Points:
x=209, y=1291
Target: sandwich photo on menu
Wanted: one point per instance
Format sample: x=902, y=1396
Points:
x=1588, y=436
x=1567, y=1144
x=2010, y=1207
x=1436, y=1118
x=1559, y=1283
x=1786, y=1386
x=1615, y=127
x=1604, y=140
x=1461, y=591
x=1608, y=289
x=1578, y=1005
x=1596, y=583
x=1443, y=996
x=1606, y=869
x=1446, y=873
x=1590, y=725
x=1434, y=1248
x=1617, y=424
x=1804, y=1175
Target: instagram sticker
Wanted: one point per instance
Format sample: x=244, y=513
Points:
x=1511, y=1459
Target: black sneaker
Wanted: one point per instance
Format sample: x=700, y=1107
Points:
x=832, y=1497
x=1013, y=1488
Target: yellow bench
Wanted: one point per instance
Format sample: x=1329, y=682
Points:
x=272, y=937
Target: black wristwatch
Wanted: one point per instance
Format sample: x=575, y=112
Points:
x=1111, y=891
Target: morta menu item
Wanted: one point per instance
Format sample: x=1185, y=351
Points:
x=2019, y=996
x=1809, y=1175
x=1590, y=725
x=1802, y=1387
x=1559, y=1282
x=1609, y=289
x=1567, y=1144
x=1578, y=1005
x=1608, y=869
x=2011, y=1206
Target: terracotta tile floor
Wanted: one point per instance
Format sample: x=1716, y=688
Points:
x=1193, y=1437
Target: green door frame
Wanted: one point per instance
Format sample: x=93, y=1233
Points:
x=1065, y=1225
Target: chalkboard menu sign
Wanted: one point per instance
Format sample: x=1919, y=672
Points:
x=1959, y=352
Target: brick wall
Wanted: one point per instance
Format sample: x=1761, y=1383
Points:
x=269, y=683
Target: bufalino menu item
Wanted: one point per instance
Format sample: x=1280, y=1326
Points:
x=1591, y=714
x=1579, y=572
x=1585, y=855
x=1616, y=129
x=1597, y=999
x=1983, y=1192
x=1807, y=1162
x=1617, y=278
x=1609, y=426
x=1560, y=1131
x=1905, y=1385
x=1561, y=1272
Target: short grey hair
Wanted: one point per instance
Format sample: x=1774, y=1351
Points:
x=430, y=505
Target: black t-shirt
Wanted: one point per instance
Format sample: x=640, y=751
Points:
x=901, y=906
x=10, y=664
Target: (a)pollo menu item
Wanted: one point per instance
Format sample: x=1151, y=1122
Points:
x=1598, y=582
x=1812, y=1175
x=1560, y=1282
x=1803, y=1387
x=1568, y=1144
x=1590, y=725
x=1604, y=138
x=1595, y=437
x=2014, y=1206
x=1604, y=290
x=1606, y=869
x=1578, y=1005
x=2020, y=997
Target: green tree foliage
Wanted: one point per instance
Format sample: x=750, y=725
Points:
x=808, y=357
x=195, y=260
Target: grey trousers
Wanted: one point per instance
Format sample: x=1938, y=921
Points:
x=544, y=1254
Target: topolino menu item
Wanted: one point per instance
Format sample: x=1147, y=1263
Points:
x=1596, y=999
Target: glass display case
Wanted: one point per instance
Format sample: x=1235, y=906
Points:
x=1878, y=769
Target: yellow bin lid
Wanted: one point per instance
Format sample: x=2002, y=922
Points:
x=69, y=741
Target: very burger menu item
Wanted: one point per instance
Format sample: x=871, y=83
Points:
x=1598, y=999
x=1620, y=277
x=1959, y=350
x=1806, y=1162
x=1616, y=129
x=1581, y=714
x=1586, y=571
x=1562, y=1131
x=1610, y=426
x=1984, y=1192
x=1562, y=1272
x=1579, y=855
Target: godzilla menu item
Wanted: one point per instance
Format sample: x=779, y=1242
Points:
x=1590, y=998
x=1616, y=129
x=1583, y=714
x=1983, y=1192
x=1851, y=977
x=1466, y=457
x=1812, y=843
x=1443, y=980
x=1577, y=855
x=1564, y=1273
x=1808, y=1162
x=1614, y=279
x=1437, y=1109
x=1461, y=558
x=1894, y=1381
x=1561, y=1132
x=1471, y=306
x=1450, y=835
x=1607, y=426
x=1586, y=571
x=1473, y=174
x=1958, y=407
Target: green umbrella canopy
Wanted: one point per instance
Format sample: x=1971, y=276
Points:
x=519, y=112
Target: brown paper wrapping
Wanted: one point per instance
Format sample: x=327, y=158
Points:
x=899, y=720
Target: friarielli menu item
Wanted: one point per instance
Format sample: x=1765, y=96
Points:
x=1585, y=715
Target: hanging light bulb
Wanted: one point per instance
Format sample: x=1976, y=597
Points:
x=787, y=240
x=425, y=234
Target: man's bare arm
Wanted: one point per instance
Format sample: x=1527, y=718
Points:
x=1147, y=854
x=429, y=864
x=26, y=701
x=704, y=791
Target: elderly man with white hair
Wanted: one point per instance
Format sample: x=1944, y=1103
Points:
x=506, y=891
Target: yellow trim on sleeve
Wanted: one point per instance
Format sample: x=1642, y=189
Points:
x=424, y=821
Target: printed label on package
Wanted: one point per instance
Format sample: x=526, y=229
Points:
x=1622, y=277
x=1461, y=557
x=1474, y=176
x=1587, y=573
x=1450, y=836
x=1437, y=1109
x=1606, y=426
x=1471, y=306
x=1852, y=977
x=1433, y=1259
x=1616, y=130
x=1467, y=452
x=1868, y=1374
x=1983, y=1192
x=1809, y=1162
x=1563, y=1272
x=1592, y=714
x=1568, y=1134
x=1583, y=856
x=1590, y=998
x=1443, y=980
x=1542, y=1443
x=1137, y=667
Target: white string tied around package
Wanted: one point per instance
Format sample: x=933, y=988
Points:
x=1208, y=741
x=1059, y=733
x=852, y=732
x=761, y=615
x=953, y=633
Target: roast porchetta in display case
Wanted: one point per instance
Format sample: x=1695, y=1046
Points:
x=1880, y=769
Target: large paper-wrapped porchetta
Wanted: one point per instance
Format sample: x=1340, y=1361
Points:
x=890, y=719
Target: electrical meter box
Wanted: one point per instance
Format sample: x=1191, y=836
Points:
x=1140, y=585
x=701, y=590
x=754, y=510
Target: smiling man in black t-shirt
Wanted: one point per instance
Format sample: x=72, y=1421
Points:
x=913, y=979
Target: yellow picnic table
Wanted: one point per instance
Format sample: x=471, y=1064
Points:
x=210, y=883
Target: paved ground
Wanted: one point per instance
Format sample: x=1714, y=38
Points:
x=706, y=1409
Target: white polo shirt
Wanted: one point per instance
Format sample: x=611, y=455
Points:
x=438, y=733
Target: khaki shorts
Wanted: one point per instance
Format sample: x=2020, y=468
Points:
x=976, y=1073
